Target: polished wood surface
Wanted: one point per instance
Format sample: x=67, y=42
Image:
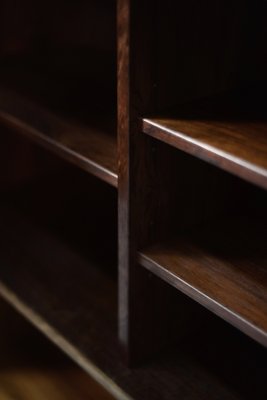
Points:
x=92, y=148
x=81, y=320
x=235, y=145
x=31, y=368
x=62, y=278
x=222, y=266
x=66, y=263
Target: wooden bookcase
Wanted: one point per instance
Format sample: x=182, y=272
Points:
x=134, y=203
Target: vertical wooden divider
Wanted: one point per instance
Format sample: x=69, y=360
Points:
x=144, y=301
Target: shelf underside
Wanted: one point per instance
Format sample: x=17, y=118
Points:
x=73, y=302
x=217, y=131
x=223, y=267
x=63, y=112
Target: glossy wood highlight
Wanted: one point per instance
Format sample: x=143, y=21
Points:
x=32, y=368
x=60, y=241
x=237, y=145
x=45, y=280
x=81, y=319
x=223, y=267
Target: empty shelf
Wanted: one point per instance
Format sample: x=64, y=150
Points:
x=73, y=302
x=93, y=147
x=218, y=131
x=223, y=267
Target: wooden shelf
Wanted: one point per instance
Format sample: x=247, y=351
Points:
x=91, y=147
x=45, y=280
x=214, y=132
x=32, y=367
x=97, y=269
x=73, y=302
x=223, y=267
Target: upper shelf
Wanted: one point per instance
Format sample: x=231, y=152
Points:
x=93, y=147
x=63, y=100
x=222, y=266
x=219, y=132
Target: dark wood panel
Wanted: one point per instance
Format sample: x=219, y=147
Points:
x=31, y=28
x=161, y=63
x=141, y=335
x=223, y=267
x=93, y=148
x=199, y=48
x=73, y=302
x=237, y=144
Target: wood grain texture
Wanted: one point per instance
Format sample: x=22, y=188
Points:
x=222, y=266
x=123, y=17
x=140, y=333
x=237, y=145
x=57, y=270
x=92, y=148
x=161, y=62
x=58, y=250
x=50, y=291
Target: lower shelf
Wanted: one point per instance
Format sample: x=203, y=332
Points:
x=31, y=367
x=73, y=302
x=69, y=299
x=222, y=266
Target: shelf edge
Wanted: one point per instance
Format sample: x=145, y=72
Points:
x=64, y=152
x=55, y=337
x=207, y=153
x=212, y=305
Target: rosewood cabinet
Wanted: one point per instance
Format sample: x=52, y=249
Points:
x=133, y=189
